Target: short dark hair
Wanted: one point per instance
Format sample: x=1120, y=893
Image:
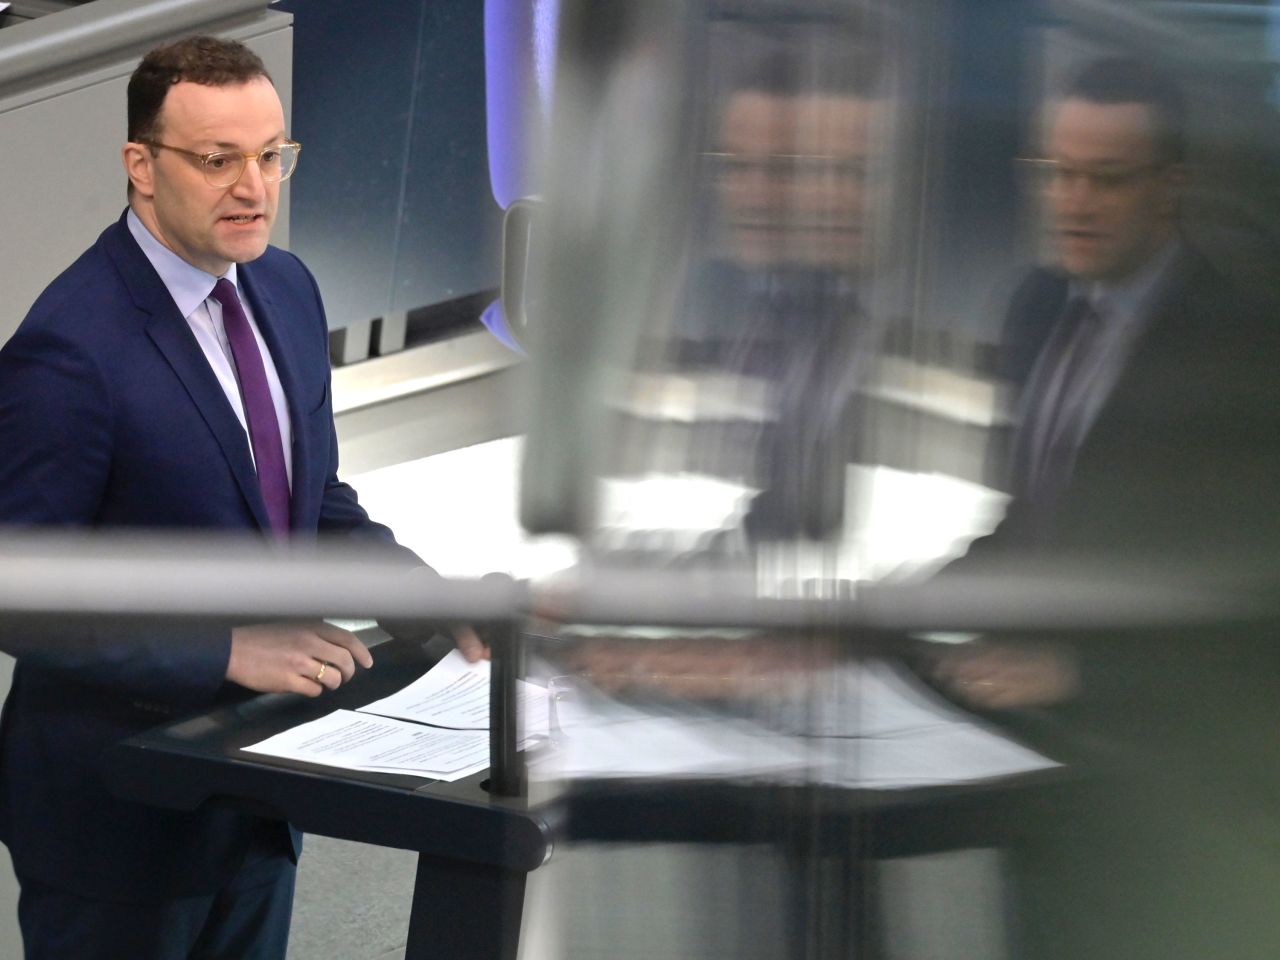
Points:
x=837, y=55
x=211, y=61
x=1126, y=80
x=791, y=75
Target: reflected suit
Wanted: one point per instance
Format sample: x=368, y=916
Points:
x=1167, y=843
x=802, y=332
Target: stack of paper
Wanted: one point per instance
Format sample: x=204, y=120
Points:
x=437, y=727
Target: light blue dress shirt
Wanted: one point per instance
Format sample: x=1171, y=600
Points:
x=191, y=289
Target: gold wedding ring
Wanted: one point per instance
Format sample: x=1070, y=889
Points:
x=323, y=667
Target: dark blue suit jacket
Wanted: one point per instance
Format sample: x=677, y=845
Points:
x=110, y=417
x=1179, y=468
x=1170, y=823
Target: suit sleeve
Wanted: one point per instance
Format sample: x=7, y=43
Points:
x=56, y=427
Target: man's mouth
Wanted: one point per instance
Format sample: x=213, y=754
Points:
x=242, y=218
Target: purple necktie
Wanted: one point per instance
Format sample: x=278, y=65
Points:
x=259, y=410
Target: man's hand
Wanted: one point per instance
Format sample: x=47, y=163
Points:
x=469, y=643
x=1002, y=676
x=306, y=658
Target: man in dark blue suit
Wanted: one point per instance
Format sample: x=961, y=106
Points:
x=174, y=377
x=1148, y=434
x=1147, y=377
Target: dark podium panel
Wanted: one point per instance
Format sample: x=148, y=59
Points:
x=884, y=823
x=825, y=837
x=474, y=849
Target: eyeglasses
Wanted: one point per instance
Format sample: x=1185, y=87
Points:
x=789, y=166
x=224, y=169
x=1057, y=175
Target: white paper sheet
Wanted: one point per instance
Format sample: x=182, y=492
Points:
x=865, y=726
x=357, y=741
x=595, y=736
x=455, y=694
x=942, y=755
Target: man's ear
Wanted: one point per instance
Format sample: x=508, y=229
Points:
x=139, y=166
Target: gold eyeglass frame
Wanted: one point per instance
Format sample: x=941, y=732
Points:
x=204, y=159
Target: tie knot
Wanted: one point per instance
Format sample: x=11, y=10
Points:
x=224, y=291
x=1079, y=310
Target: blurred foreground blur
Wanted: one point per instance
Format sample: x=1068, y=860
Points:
x=844, y=295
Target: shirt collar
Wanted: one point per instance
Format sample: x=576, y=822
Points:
x=189, y=286
x=1128, y=297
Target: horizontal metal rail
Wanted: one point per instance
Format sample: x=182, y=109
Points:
x=86, y=577
x=54, y=42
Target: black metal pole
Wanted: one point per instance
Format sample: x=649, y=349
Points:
x=506, y=765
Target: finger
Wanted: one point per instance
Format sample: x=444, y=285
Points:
x=994, y=696
x=960, y=676
x=307, y=686
x=347, y=640
x=341, y=664
x=1013, y=699
x=303, y=668
x=469, y=644
x=977, y=693
x=958, y=665
x=324, y=674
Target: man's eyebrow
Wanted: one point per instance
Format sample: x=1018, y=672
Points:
x=224, y=145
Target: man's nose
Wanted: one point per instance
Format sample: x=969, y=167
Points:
x=1073, y=195
x=250, y=185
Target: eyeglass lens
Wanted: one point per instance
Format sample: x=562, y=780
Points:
x=276, y=163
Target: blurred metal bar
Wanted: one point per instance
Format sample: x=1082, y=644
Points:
x=224, y=577
x=1011, y=596
x=507, y=777
x=79, y=578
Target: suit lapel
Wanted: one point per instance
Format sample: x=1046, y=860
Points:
x=169, y=331
x=1149, y=385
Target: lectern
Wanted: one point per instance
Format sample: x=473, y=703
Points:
x=475, y=843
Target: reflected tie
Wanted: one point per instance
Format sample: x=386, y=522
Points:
x=259, y=410
x=1046, y=441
